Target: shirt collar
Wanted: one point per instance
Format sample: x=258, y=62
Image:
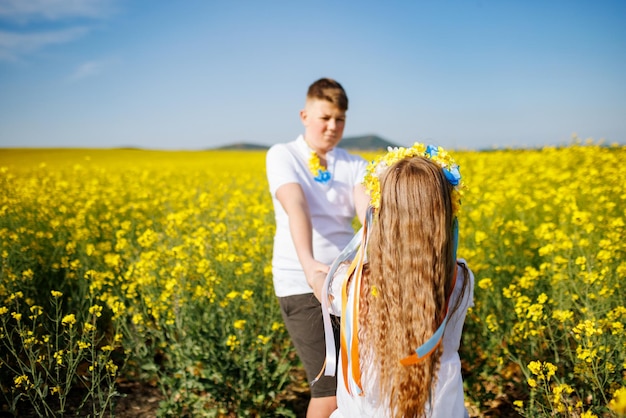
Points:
x=306, y=150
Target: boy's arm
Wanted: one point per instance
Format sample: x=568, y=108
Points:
x=291, y=197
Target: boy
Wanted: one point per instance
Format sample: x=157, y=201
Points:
x=316, y=191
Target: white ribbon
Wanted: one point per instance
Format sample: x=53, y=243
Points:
x=346, y=254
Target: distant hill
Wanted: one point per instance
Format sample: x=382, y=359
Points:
x=361, y=143
x=366, y=143
x=243, y=146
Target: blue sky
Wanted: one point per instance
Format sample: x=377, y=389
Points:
x=199, y=74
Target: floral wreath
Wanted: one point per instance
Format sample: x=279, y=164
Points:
x=320, y=174
x=440, y=156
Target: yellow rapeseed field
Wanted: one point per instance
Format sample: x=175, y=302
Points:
x=155, y=266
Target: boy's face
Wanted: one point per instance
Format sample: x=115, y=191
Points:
x=323, y=125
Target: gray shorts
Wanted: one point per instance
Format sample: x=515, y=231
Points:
x=303, y=318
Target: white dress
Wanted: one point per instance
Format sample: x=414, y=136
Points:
x=448, y=400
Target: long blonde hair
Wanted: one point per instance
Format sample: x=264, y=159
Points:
x=406, y=281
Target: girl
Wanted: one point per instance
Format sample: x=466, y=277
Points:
x=404, y=297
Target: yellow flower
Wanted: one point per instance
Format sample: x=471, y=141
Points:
x=587, y=328
x=3, y=310
x=239, y=324
x=485, y=283
x=16, y=316
x=562, y=316
x=618, y=403
x=492, y=322
x=112, y=260
x=479, y=237
x=546, y=250
x=559, y=390
x=534, y=367
x=96, y=310
x=83, y=345
x=69, y=320
x=585, y=354
x=137, y=319
x=543, y=370
x=16, y=295
x=36, y=310
x=58, y=356
x=375, y=291
x=111, y=368
x=56, y=294
x=232, y=342
x=550, y=369
x=263, y=339
x=617, y=328
x=147, y=239
x=510, y=291
x=22, y=381
x=535, y=312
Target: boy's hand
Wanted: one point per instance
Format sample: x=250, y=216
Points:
x=315, y=273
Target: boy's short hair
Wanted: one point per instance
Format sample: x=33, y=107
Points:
x=329, y=90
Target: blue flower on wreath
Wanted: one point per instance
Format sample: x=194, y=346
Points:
x=323, y=176
x=453, y=175
x=432, y=151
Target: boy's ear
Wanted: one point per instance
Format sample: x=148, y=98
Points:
x=303, y=116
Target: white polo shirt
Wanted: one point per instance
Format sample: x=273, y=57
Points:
x=331, y=207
